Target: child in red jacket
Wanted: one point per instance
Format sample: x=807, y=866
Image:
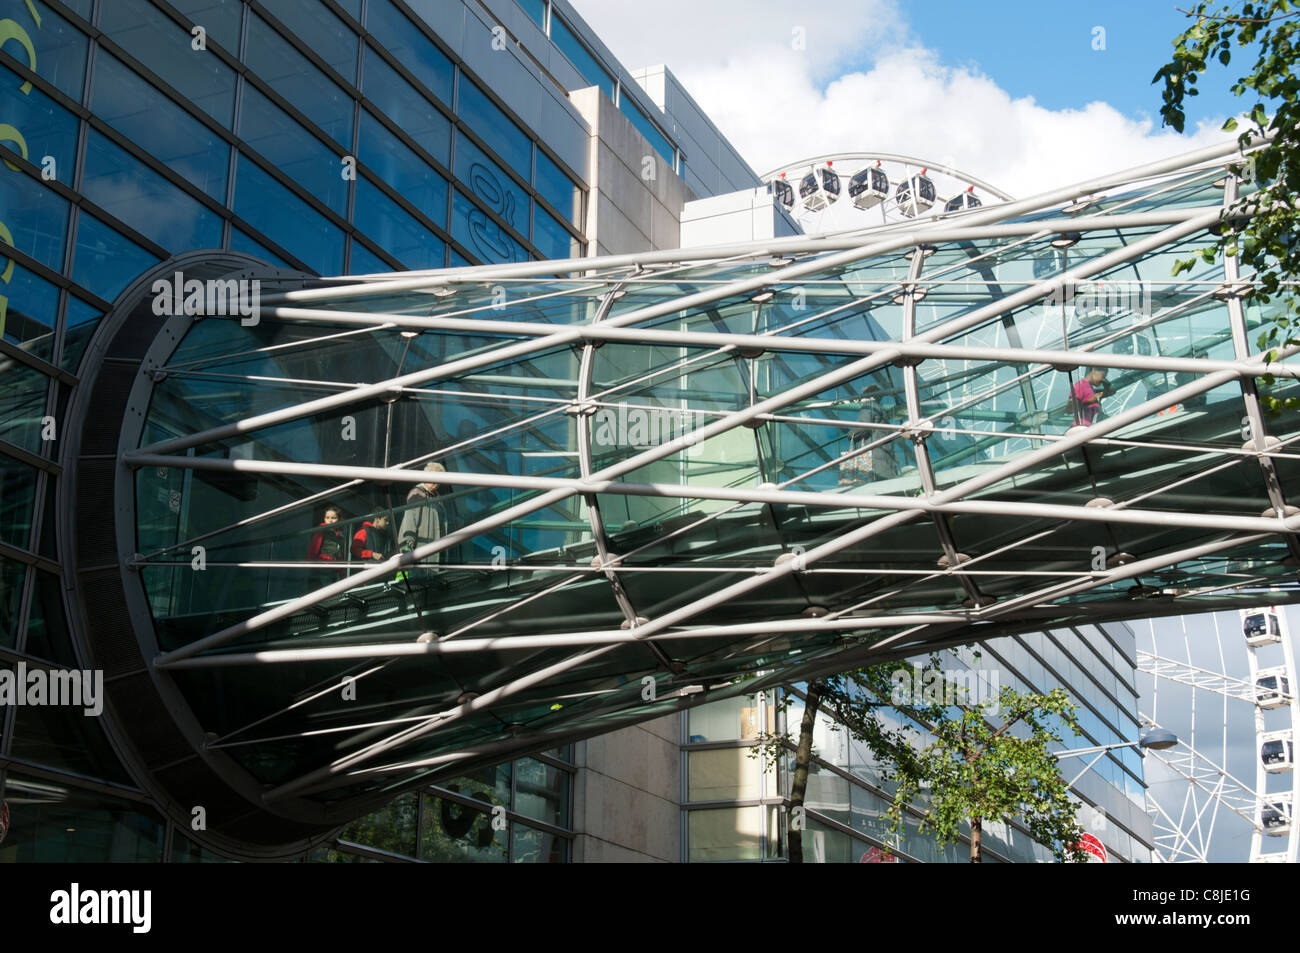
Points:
x=372, y=540
x=328, y=542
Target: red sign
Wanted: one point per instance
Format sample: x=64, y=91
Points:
x=1092, y=846
x=875, y=855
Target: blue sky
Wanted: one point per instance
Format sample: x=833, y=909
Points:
x=1045, y=50
x=1012, y=92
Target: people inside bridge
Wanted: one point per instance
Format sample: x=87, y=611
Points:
x=373, y=540
x=1086, y=396
x=328, y=543
x=423, y=519
x=878, y=463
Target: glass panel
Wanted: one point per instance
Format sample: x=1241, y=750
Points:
x=294, y=77
x=452, y=831
x=730, y=719
x=27, y=318
x=35, y=216
x=495, y=128
x=220, y=18
x=321, y=30
x=60, y=50
x=529, y=846
x=724, y=834
x=724, y=774
x=414, y=114
x=105, y=261
x=400, y=167
x=493, y=187
x=12, y=575
x=535, y=9
x=47, y=629
x=366, y=262
x=557, y=188
x=155, y=39
x=242, y=241
x=392, y=828
x=411, y=47
x=143, y=199
x=287, y=220
x=552, y=239
x=54, y=822
x=483, y=237
x=292, y=149
x=583, y=61
x=151, y=120
x=542, y=792
x=47, y=129
x=394, y=229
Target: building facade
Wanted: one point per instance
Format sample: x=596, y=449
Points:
x=323, y=138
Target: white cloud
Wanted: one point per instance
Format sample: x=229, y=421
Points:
x=862, y=83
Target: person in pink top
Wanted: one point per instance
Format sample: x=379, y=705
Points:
x=1087, y=394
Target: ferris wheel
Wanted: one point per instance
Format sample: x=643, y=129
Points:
x=1214, y=689
x=849, y=190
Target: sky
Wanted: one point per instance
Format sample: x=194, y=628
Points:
x=1026, y=95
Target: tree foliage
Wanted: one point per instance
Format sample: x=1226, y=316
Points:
x=1265, y=241
x=980, y=768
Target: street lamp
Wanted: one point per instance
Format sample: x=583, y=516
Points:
x=1157, y=739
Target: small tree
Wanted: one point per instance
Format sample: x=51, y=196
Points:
x=975, y=771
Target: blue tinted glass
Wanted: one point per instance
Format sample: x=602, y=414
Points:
x=106, y=261
x=156, y=41
x=586, y=64
x=147, y=117
x=293, y=76
x=220, y=18
x=493, y=126
x=557, y=188
x=36, y=218
x=352, y=6
x=46, y=127
x=287, y=220
x=411, y=47
x=60, y=47
x=648, y=129
x=28, y=308
x=401, y=168
x=366, y=262
x=241, y=241
x=551, y=238
x=128, y=189
x=22, y=394
x=493, y=187
x=292, y=149
x=535, y=9
x=321, y=30
x=456, y=260
x=394, y=230
x=482, y=237
x=400, y=102
x=80, y=324
x=80, y=7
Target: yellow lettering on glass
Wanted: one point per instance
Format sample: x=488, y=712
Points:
x=7, y=237
x=9, y=134
x=11, y=30
x=6, y=276
x=35, y=16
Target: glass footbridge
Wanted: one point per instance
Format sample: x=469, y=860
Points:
x=666, y=477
